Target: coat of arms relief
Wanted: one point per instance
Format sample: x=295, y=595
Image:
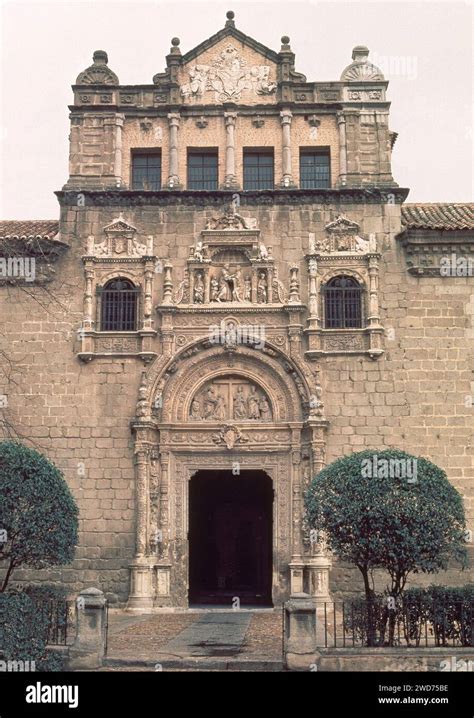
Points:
x=228, y=76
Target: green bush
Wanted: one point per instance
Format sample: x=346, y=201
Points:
x=381, y=520
x=24, y=630
x=37, y=511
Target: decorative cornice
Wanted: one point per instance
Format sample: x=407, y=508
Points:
x=134, y=198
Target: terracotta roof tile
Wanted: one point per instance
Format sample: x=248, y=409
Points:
x=29, y=228
x=438, y=216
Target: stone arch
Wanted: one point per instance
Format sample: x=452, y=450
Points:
x=289, y=389
x=118, y=273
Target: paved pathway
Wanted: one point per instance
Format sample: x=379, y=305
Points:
x=207, y=640
x=213, y=634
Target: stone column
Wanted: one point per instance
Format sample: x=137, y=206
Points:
x=88, y=649
x=119, y=119
x=341, y=122
x=286, y=117
x=230, y=180
x=173, y=178
x=141, y=589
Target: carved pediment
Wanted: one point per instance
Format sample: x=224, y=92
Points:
x=119, y=226
x=342, y=225
x=227, y=73
x=120, y=240
x=342, y=236
x=230, y=219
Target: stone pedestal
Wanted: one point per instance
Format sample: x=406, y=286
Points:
x=300, y=632
x=140, y=599
x=318, y=568
x=88, y=649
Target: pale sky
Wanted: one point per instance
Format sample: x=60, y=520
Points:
x=424, y=48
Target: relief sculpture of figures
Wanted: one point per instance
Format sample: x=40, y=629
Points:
x=220, y=410
x=247, y=289
x=199, y=289
x=237, y=286
x=214, y=292
x=210, y=401
x=265, y=411
x=253, y=404
x=262, y=288
x=196, y=409
x=240, y=407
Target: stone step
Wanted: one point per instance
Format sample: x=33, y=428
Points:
x=196, y=664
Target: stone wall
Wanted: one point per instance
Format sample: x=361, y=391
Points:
x=412, y=397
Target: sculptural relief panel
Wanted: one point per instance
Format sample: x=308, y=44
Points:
x=230, y=398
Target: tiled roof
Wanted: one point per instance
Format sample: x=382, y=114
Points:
x=29, y=229
x=438, y=216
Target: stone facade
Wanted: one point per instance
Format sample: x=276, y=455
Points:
x=231, y=361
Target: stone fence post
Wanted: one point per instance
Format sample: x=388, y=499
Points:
x=87, y=651
x=300, y=632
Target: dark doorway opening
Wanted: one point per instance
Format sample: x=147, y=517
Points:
x=230, y=538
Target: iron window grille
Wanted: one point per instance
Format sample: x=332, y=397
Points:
x=258, y=170
x=314, y=169
x=202, y=170
x=119, y=301
x=343, y=304
x=146, y=171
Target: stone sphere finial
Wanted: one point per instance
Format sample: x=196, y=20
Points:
x=230, y=14
x=175, y=41
x=285, y=40
x=100, y=57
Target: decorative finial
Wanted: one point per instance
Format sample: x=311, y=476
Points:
x=100, y=57
x=230, y=14
x=175, y=41
x=360, y=53
x=285, y=40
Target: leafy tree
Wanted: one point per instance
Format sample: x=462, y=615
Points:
x=388, y=510
x=38, y=514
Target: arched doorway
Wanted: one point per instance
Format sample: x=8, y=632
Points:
x=230, y=537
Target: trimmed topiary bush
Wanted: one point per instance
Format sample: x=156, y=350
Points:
x=388, y=510
x=38, y=514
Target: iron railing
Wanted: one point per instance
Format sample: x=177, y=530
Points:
x=413, y=624
x=60, y=616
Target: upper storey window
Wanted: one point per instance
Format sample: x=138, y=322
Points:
x=314, y=169
x=258, y=169
x=118, y=306
x=146, y=170
x=202, y=169
x=342, y=304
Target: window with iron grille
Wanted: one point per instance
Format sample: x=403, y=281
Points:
x=258, y=170
x=314, y=169
x=202, y=170
x=146, y=170
x=342, y=304
x=119, y=306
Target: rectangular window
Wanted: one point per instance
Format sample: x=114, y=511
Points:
x=202, y=170
x=314, y=169
x=258, y=169
x=146, y=170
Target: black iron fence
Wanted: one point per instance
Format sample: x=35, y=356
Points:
x=427, y=623
x=60, y=617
